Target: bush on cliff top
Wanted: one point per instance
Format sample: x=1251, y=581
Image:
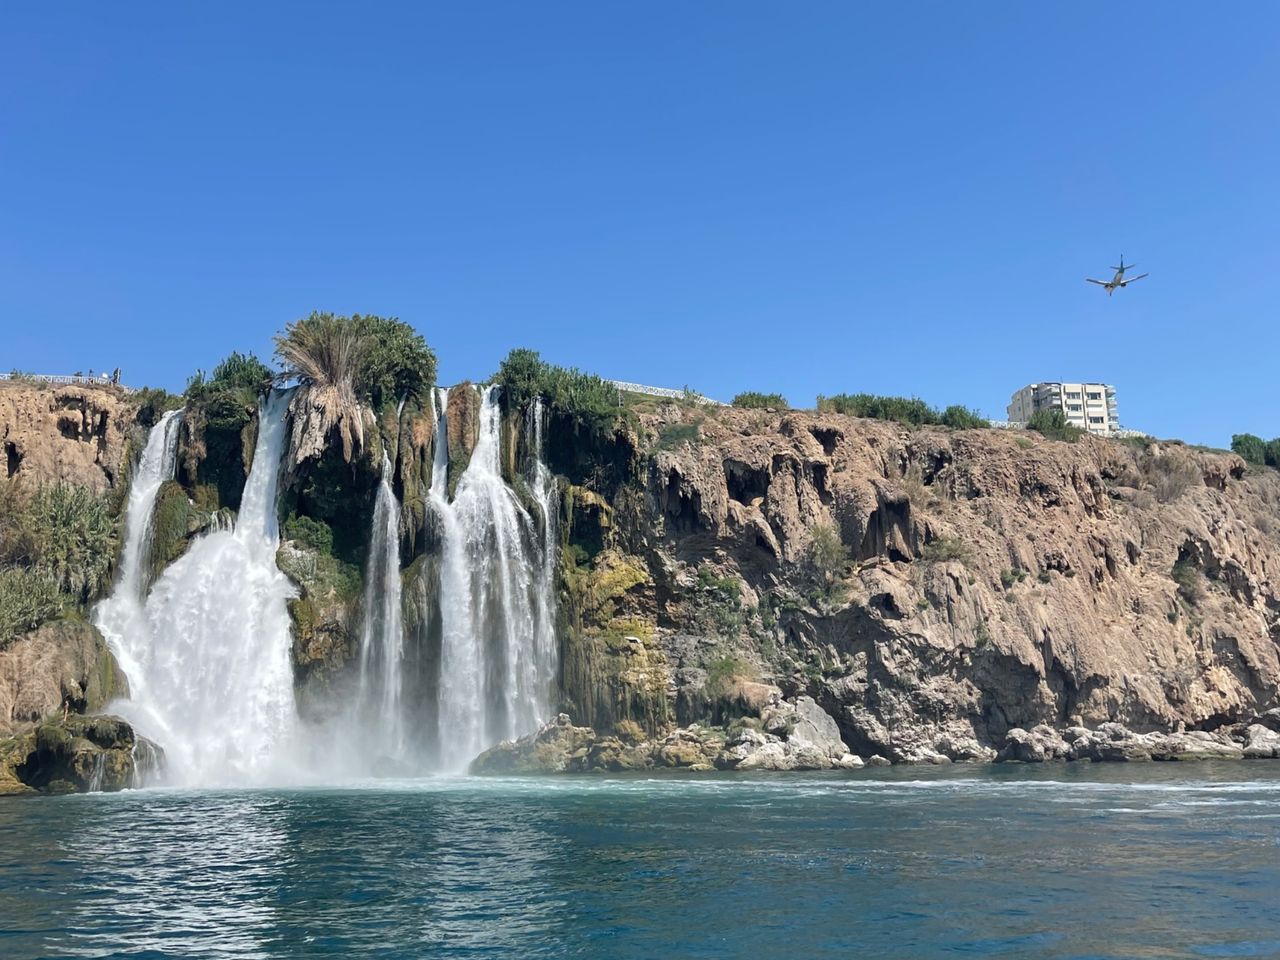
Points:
x=1255, y=450
x=1053, y=424
x=237, y=372
x=523, y=375
x=909, y=410
x=761, y=401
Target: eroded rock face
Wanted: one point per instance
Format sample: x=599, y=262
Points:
x=998, y=581
x=65, y=661
x=795, y=736
x=78, y=755
x=1115, y=742
x=559, y=747
x=463, y=419
x=70, y=434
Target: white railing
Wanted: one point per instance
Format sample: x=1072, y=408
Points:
x=1117, y=434
x=59, y=380
x=666, y=392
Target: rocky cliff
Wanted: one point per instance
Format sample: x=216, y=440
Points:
x=742, y=589
x=932, y=590
x=69, y=434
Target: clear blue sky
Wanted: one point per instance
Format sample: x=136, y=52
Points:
x=809, y=198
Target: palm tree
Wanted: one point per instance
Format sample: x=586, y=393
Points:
x=324, y=354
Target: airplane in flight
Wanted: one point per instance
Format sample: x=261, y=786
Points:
x=1118, y=281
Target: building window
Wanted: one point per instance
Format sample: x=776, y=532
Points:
x=1096, y=420
x=1073, y=407
x=1073, y=394
x=1095, y=396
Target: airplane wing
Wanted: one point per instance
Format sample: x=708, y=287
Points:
x=1101, y=283
x=1125, y=283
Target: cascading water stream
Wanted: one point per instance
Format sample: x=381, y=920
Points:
x=121, y=616
x=208, y=660
x=496, y=609
x=382, y=634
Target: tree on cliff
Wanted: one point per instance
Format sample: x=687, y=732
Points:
x=346, y=366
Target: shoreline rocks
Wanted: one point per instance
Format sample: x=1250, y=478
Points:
x=77, y=755
x=799, y=736
x=789, y=735
x=1113, y=742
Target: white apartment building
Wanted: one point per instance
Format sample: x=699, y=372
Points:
x=1090, y=406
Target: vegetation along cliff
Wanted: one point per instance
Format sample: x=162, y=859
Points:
x=734, y=587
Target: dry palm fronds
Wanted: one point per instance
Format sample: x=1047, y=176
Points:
x=323, y=353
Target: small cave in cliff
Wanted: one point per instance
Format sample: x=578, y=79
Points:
x=821, y=483
x=12, y=459
x=746, y=483
x=69, y=428
x=682, y=511
x=829, y=437
x=885, y=521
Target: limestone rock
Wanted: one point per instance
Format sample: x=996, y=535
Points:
x=70, y=434
x=463, y=419
x=795, y=735
x=1261, y=743
x=997, y=580
x=1036, y=745
x=79, y=755
x=558, y=747
x=66, y=660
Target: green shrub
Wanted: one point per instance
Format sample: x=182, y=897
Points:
x=152, y=403
x=962, y=418
x=72, y=537
x=27, y=600
x=397, y=362
x=1008, y=578
x=523, y=375
x=1053, y=424
x=828, y=556
x=1273, y=453
x=981, y=635
x=1252, y=449
x=673, y=434
x=760, y=401
x=725, y=672
x=237, y=372
x=310, y=532
x=1044, y=576
x=1187, y=577
x=589, y=404
x=912, y=410
x=242, y=370
x=908, y=410
x=944, y=549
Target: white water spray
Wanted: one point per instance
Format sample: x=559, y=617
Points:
x=121, y=615
x=209, y=659
x=497, y=611
x=382, y=635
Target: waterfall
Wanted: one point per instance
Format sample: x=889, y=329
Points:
x=497, y=614
x=120, y=615
x=209, y=658
x=382, y=633
x=98, y=771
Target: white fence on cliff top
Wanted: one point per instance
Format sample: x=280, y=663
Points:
x=666, y=392
x=59, y=380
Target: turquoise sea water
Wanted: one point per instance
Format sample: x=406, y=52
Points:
x=1151, y=860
